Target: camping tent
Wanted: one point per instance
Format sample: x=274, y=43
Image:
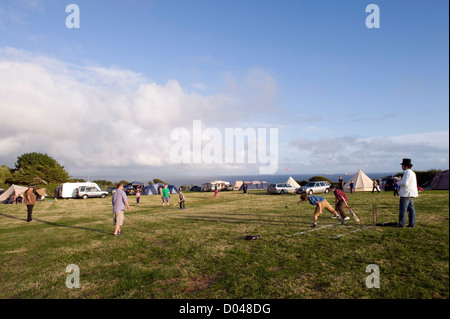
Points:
x=41, y=192
x=149, y=190
x=262, y=185
x=154, y=189
x=292, y=182
x=237, y=185
x=361, y=181
x=173, y=189
x=440, y=180
x=13, y=190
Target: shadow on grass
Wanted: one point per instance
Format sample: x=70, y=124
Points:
x=13, y=217
x=233, y=220
x=60, y=225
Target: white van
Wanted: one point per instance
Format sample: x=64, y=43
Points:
x=69, y=190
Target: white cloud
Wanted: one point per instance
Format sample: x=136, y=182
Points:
x=377, y=154
x=94, y=117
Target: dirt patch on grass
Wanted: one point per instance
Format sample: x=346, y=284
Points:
x=170, y=281
x=201, y=282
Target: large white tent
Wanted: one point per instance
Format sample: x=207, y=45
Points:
x=13, y=190
x=362, y=182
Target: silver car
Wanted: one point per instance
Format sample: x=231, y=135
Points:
x=87, y=192
x=280, y=188
x=315, y=188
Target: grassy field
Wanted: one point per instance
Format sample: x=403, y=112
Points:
x=200, y=252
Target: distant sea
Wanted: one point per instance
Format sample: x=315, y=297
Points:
x=199, y=180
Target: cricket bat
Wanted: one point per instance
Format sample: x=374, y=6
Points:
x=353, y=214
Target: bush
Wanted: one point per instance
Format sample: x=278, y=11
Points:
x=103, y=183
x=320, y=178
x=302, y=183
x=37, y=168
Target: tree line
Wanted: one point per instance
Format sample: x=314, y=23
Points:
x=42, y=170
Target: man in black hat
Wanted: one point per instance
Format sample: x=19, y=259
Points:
x=408, y=191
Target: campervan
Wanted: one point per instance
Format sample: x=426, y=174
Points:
x=69, y=190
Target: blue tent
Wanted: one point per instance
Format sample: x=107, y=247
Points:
x=154, y=189
x=149, y=190
x=173, y=189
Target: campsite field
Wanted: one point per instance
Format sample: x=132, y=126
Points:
x=200, y=252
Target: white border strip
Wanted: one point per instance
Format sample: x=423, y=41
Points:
x=314, y=229
x=353, y=231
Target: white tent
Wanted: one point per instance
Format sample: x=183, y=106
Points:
x=13, y=190
x=237, y=185
x=362, y=183
x=292, y=182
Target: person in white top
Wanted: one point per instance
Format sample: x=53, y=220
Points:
x=408, y=191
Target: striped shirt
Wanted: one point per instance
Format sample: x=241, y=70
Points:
x=338, y=194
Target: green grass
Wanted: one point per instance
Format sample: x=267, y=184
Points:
x=201, y=253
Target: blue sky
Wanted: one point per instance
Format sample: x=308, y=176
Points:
x=342, y=96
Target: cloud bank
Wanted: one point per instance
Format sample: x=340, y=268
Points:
x=93, y=117
x=376, y=154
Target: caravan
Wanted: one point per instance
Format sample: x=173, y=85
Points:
x=69, y=190
x=211, y=186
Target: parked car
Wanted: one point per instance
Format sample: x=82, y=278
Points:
x=129, y=190
x=314, y=188
x=280, y=188
x=388, y=183
x=111, y=190
x=90, y=192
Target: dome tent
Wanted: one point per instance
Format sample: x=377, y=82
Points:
x=440, y=180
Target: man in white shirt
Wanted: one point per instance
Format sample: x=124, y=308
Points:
x=408, y=190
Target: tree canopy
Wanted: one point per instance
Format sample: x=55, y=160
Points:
x=5, y=174
x=38, y=168
x=157, y=180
